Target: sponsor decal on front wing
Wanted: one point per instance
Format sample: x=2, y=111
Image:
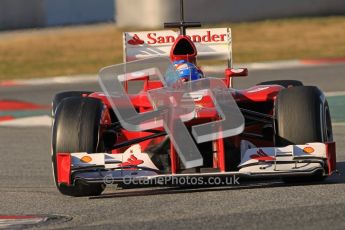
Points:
x=131, y=158
x=283, y=154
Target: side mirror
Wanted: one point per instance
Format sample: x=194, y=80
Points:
x=241, y=72
x=229, y=73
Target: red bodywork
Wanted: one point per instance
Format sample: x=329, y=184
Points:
x=205, y=113
x=63, y=161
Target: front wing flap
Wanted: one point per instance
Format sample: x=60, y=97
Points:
x=292, y=158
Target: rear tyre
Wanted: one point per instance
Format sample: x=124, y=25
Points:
x=76, y=128
x=302, y=116
x=284, y=83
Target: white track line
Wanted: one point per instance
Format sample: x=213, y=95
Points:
x=338, y=124
x=59, y=80
x=336, y=93
x=11, y=223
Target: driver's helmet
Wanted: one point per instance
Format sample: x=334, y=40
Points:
x=184, y=71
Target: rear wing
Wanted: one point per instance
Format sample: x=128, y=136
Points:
x=214, y=43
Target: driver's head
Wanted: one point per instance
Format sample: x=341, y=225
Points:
x=187, y=71
x=183, y=71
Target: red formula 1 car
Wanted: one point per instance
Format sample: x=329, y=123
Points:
x=282, y=128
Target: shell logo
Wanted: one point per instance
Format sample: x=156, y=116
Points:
x=308, y=150
x=86, y=159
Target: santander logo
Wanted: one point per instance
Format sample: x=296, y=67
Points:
x=152, y=38
x=135, y=40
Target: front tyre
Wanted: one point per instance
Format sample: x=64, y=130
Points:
x=302, y=115
x=77, y=128
x=59, y=97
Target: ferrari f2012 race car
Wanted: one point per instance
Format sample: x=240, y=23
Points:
x=276, y=129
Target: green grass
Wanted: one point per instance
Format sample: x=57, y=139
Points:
x=85, y=49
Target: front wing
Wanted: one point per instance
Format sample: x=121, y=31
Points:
x=134, y=165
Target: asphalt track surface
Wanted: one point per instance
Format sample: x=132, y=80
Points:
x=26, y=184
